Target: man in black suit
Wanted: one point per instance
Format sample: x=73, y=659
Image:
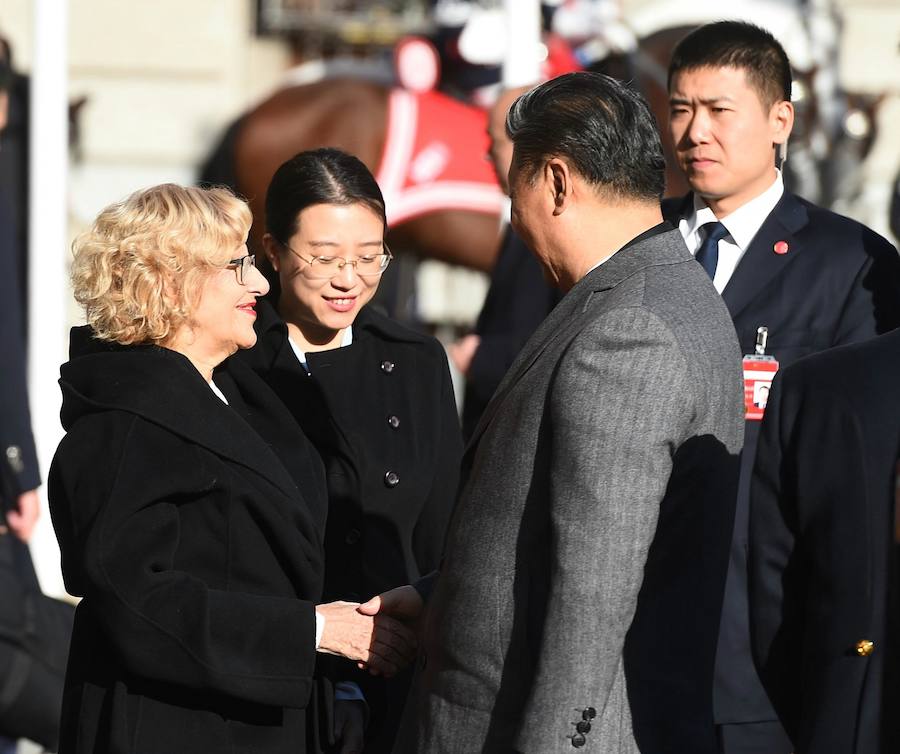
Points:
x=518, y=299
x=14, y=161
x=823, y=558
x=34, y=630
x=18, y=464
x=19, y=504
x=812, y=278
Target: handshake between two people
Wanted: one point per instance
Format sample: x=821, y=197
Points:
x=381, y=634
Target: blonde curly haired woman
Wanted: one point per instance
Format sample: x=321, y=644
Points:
x=188, y=506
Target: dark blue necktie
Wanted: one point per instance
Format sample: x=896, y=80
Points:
x=708, y=253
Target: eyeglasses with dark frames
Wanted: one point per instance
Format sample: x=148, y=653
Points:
x=327, y=266
x=242, y=265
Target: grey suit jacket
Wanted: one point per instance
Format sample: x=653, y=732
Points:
x=616, y=415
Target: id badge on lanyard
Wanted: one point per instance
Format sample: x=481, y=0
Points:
x=759, y=371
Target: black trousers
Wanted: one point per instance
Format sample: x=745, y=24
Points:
x=34, y=646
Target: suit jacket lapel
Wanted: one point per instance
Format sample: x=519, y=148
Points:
x=760, y=264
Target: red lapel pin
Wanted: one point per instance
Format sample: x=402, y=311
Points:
x=781, y=247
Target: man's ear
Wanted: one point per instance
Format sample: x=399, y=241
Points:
x=559, y=180
x=270, y=246
x=781, y=121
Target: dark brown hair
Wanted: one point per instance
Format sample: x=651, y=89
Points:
x=736, y=44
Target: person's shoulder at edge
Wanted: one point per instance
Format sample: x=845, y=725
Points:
x=83, y=342
x=659, y=246
x=845, y=227
x=838, y=368
x=702, y=326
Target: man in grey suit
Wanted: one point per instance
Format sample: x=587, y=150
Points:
x=577, y=603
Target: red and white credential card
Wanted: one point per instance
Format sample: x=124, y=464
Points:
x=759, y=371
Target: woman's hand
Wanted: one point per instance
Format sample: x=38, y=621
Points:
x=381, y=642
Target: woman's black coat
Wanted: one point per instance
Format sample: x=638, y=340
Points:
x=197, y=548
x=382, y=415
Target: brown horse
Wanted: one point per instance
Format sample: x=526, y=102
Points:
x=350, y=114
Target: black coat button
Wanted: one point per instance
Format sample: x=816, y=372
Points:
x=583, y=726
x=589, y=713
x=352, y=537
x=393, y=421
x=387, y=367
x=578, y=740
x=392, y=479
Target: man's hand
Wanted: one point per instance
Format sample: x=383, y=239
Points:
x=382, y=643
x=403, y=603
x=463, y=351
x=24, y=516
x=349, y=725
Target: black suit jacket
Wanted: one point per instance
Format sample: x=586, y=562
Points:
x=18, y=462
x=823, y=549
x=517, y=301
x=838, y=283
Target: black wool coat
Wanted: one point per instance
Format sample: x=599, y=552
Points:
x=824, y=541
x=382, y=415
x=18, y=458
x=193, y=531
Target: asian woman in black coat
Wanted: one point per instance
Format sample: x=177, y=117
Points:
x=374, y=397
x=189, y=510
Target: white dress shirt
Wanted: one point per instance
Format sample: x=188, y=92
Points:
x=742, y=226
x=219, y=393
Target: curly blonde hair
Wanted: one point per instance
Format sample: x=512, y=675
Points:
x=138, y=272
